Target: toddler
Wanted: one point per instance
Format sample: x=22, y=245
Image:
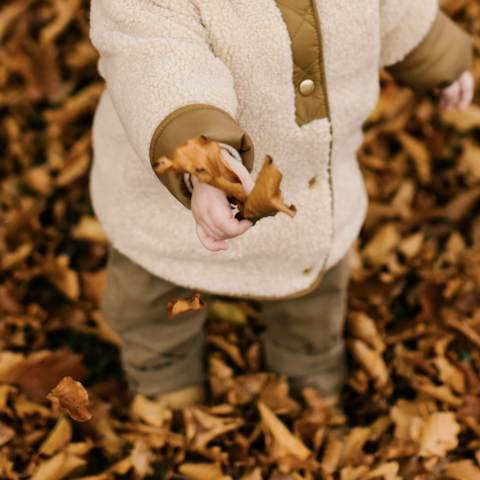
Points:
x=294, y=79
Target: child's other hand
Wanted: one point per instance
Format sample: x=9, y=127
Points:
x=212, y=211
x=459, y=94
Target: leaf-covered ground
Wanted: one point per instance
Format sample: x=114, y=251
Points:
x=412, y=404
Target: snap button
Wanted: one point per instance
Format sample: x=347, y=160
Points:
x=306, y=87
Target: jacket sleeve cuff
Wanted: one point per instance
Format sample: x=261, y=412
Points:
x=204, y=122
x=440, y=59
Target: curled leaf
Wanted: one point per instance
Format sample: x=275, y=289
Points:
x=266, y=198
x=184, y=305
x=72, y=397
x=204, y=159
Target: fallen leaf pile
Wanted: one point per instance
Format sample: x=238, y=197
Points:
x=204, y=159
x=412, y=403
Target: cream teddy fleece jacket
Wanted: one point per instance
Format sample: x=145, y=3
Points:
x=159, y=56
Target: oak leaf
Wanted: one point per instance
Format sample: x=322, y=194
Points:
x=184, y=305
x=72, y=397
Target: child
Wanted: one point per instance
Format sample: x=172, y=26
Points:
x=294, y=79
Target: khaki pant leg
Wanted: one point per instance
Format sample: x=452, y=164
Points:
x=159, y=355
x=304, y=336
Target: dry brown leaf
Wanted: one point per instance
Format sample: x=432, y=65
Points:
x=65, y=279
x=353, y=444
x=441, y=393
x=353, y=473
x=202, y=427
x=470, y=159
x=58, y=467
x=266, y=197
x=364, y=328
x=155, y=413
x=255, y=474
x=89, y=230
x=184, y=305
x=203, y=471
x=439, y=434
x=72, y=397
x=40, y=371
x=332, y=454
x=371, y=361
x=463, y=120
x=382, y=245
x=388, y=471
x=230, y=349
x=404, y=414
x=280, y=440
x=462, y=470
x=450, y=375
x=58, y=438
x=420, y=155
x=204, y=159
x=6, y=434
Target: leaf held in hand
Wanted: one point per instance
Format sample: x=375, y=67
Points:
x=72, y=397
x=204, y=159
x=184, y=305
x=266, y=198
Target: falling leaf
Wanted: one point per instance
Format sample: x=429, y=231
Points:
x=184, y=305
x=72, y=397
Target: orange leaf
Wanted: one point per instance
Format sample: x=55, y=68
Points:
x=266, y=198
x=184, y=305
x=72, y=397
x=204, y=159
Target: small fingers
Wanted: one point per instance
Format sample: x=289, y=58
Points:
x=467, y=88
x=208, y=242
x=230, y=226
x=450, y=96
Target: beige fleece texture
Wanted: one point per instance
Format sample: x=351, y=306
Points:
x=160, y=55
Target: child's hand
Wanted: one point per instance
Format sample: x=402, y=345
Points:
x=213, y=213
x=459, y=94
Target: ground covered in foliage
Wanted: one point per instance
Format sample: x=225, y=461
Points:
x=412, y=404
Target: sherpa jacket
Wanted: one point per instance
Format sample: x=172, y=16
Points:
x=294, y=79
